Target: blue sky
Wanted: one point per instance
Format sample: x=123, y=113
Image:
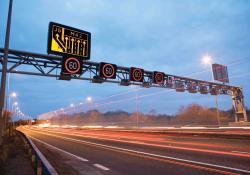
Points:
x=169, y=36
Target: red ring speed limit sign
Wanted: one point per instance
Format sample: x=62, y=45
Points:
x=136, y=74
x=108, y=70
x=158, y=77
x=72, y=65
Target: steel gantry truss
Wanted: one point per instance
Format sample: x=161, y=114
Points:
x=21, y=62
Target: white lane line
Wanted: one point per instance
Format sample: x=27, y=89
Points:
x=145, y=153
x=241, y=152
x=56, y=148
x=101, y=167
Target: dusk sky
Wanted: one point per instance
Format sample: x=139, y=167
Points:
x=168, y=36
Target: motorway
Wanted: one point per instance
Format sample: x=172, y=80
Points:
x=93, y=151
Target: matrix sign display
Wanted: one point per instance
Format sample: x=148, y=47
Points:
x=72, y=65
x=68, y=41
x=136, y=74
x=158, y=77
x=107, y=70
x=220, y=73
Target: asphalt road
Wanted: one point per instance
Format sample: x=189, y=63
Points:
x=130, y=153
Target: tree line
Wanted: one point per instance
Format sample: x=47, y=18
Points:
x=193, y=114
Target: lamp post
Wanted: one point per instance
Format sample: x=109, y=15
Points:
x=137, y=110
x=13, y=95
x=79, y=108
x=207, y=60
x=89, y=100
x=13, y=104
x=4, y=71
x=73, y=107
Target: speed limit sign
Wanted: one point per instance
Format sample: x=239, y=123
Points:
x=136, y=74
x=158, y=77
x=72, y=65
x=107, y=70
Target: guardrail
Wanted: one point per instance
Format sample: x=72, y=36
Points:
x=39, y=162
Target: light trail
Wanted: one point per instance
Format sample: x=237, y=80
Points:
x=151, y=144
x=130, y=136
x=168, y=159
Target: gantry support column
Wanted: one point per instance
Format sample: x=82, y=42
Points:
x=238, y=105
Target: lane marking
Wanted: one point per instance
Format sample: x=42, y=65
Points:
x=56, y=148
x=73, y=155
x=158, y=145
x=151, y=154
x=101, y=167
x=241, y=152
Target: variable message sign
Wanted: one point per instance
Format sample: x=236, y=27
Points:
x=136, y=74
x=72, y=65
x=220, y=73
x=158, y=77
x=68, y=41
x=107, y=70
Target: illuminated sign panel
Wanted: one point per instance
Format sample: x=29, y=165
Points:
x=136, y=74
x=220, y=73
x=158, y=77
x=68, y=41
x=107, y=70
x=72, y=65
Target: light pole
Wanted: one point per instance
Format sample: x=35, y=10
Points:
x=4, y=71
x=89, y=100
x=137, y=114
x=8, y=107
x=73, y=107
x=79, y=109
x=62, y=111
x=13, y=104
x=12, y=95
x=207, y=60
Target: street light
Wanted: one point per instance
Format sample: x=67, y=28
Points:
x=89, y=99
x=62, y=110
x=73, y=107
x=13, y=94
x=14, y=104
x=207, y=60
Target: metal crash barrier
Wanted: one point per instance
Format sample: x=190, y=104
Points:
x=39, y=162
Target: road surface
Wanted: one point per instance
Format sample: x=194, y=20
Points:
x=129, y=153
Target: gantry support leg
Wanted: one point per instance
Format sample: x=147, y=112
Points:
x=238, y=105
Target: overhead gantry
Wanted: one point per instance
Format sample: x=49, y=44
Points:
x=21, y=62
